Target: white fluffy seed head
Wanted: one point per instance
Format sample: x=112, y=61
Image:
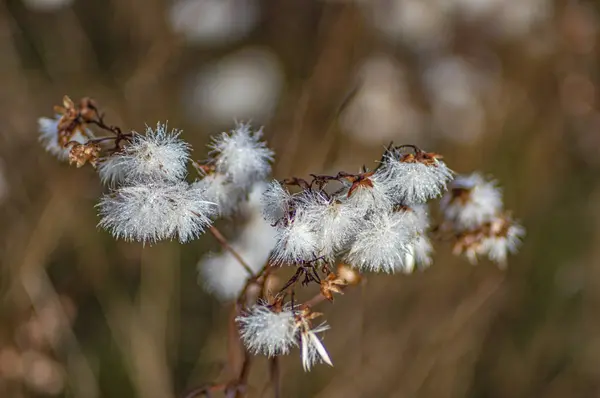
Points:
x=381, y=246
x=158, y=155
x=415, y=182
x=471, y=201
x=297, y=240
x=156, y=211
x=48, y=129
x=267, y=332
x=242, y=156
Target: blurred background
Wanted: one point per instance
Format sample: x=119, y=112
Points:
x=506, y=87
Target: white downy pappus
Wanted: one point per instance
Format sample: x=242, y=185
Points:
x=48, y=129
x=372, y=196
x=381, y=246
x=471, y=201
x=313, y=351
x=414, y=181
x=297, y=240
x=158, y=155
x=242, y=156
x=156, y=211
x=268, y=332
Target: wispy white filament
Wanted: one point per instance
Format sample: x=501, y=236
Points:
x=418, y=254
x=156, y=211
x=268, y=332
x=158, y=155
x=313, y=351
x=242, y=156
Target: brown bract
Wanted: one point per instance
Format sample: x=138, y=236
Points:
x=427, y=158
x=360, y=180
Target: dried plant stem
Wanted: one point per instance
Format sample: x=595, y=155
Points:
x=225, y=244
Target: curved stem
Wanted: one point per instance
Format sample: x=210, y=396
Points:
x=225, y=244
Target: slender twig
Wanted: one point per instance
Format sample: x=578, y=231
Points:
x=274, y=371
x=221, y=239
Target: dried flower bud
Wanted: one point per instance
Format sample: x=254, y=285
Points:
x=81, y=154
x=333, y=284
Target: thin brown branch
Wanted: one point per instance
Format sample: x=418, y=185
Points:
x=225, y=244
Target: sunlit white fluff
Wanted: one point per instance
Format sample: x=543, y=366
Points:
x=219, y=190
x=156, y=211
x=312, y=348
x=381, y=246
x=505, y=237
x=334, y=220
x=48, y=129
x=157, y=155
x=267, y=332
x=275, y=202
x=416, y=217
x=297, y=240
x=471, y=201
x=242, y=156
x=418, y=254
x=416, y=182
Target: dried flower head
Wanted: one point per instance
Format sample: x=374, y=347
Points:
x=49, y=137
x=81, y=154
x=297, y=240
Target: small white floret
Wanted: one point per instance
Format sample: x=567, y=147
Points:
x=157, y=211
x=471, y=201
x=158, y=155
x=268, y=332
x=372, y=196
x=242, y=156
